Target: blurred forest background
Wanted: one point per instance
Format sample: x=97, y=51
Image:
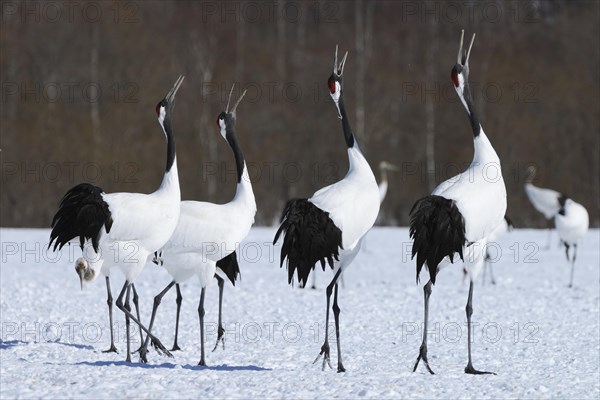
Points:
x=80, y=81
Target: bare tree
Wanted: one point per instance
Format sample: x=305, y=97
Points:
x=363, y=45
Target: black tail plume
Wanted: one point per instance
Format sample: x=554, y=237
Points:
x=310, y=236
x=230, y=267
x=82, y=213
x=438, y=230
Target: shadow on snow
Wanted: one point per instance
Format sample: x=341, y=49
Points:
x=223, y=367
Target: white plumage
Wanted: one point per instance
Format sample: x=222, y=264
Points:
x=479, y=192
x=546, y=201
x=543, y=200
x=573, y=224
x=353, y=202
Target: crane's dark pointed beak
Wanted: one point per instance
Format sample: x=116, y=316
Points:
x=238, y=102
x=171, y=95
x=463, y=56
x=460, y=48
x=229, y=98
x=338, y=69
x=81, y=272
x=232, y=111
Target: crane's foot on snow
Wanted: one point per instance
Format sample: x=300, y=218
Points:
x=325, y=353
x=161, y=349
x=176, y=347
x=341, y=367
x=220, y=338
x=423, y=356
x=470, y=370
x=143, y=358
x=112, y=349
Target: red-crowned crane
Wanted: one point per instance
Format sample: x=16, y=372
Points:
x=546, y=201
x=460, y=214
x=122, y=229
x=328, y=227
x=572, y=222
x=207, y=235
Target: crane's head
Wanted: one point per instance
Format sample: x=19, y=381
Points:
x=84, y=271
x=460, y=71
x=334, y=83
x=165, y=106
x=227, y=118
x=531, y=171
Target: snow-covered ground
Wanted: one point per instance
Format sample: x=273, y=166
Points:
x=541, y=338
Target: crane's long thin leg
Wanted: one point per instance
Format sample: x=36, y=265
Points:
x=485, y=264
x=178, y=301
x=423, y=348
x=573, y=264
x=469, y=309
x=136, y=303
x=325, y=348
x=492, y=273
x=220, y=330
x=127, y=323
x=549, y=223
x=201, y=315
x=128, y=313
x=157, y=300
x=336, y=315
x=109, y=301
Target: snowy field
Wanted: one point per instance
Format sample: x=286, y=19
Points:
x=541, y=338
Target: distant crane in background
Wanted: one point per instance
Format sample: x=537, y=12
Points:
x=546, y=201
x=122, y=228
x=384, y=167
x=207, y=235
x=329, y=226
x=503, y=227
x=572, y=222
x=461, y=212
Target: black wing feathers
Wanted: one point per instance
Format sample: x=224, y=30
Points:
x=82, y=213
x=310, y=236
x=230, y=267
x=438, y=230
